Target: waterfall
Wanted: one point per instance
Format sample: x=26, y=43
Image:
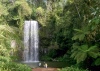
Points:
x=31, y=41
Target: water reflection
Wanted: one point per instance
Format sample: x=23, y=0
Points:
x=50, y=64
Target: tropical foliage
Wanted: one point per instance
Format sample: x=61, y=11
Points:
x=10, y=34
x=73, y=28
x=72, y=69
x=68, y=29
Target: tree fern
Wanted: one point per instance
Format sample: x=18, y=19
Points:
x=80, y=53
x=80, y=34
x=93, y=51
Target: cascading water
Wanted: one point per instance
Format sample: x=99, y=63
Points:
x=31, y=41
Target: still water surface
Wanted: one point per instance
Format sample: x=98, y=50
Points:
x=50, y=64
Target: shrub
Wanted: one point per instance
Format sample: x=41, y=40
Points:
x=6, y=64
x=12, y=66
x=72, y=69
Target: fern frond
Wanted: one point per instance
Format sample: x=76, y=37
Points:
x=74, y=54
x=81, y=36
x=97, y=61
x=75, y=37
x=78, y=30
x=81, y=57
x=84, y=48
x=93, y=54
x=93, y=48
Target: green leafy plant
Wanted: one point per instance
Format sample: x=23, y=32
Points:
x=80, y=53
x=12, y=66
x=80, y=34
x=6, y=64
x=72, y=69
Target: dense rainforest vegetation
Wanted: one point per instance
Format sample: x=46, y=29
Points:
x=69, y=31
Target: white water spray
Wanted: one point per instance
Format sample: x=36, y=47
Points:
x=31, y=41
